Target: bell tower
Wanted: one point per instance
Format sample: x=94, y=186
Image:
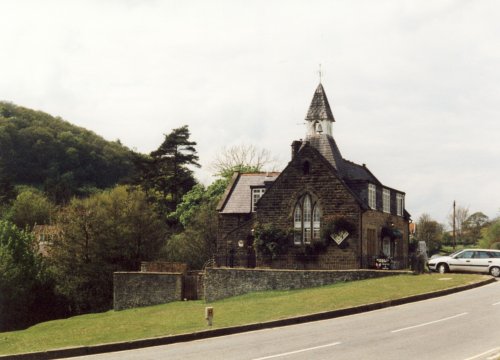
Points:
x=319, y=116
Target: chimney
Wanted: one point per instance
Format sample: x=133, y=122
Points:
x=296, y=147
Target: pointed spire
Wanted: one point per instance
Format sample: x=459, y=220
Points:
x=320, y=108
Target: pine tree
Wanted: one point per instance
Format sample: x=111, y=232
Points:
x=165, y=173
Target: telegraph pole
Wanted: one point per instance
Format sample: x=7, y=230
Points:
x=454, y=232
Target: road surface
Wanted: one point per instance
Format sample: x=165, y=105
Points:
x=464, y=326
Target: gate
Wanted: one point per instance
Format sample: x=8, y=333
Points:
x=190, y=286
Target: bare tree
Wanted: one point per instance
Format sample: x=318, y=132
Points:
x=430, y=231
x=245, y=157
x=461, y=216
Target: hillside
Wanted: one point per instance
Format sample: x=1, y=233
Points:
x=49, y=153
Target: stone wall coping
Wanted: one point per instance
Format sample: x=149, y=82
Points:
x=148, y=273
x=318, y=271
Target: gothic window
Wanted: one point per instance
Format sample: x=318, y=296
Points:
x=297, y=224
x=316, y=222
x=306, y=221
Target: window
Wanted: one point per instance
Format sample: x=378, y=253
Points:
x=316, y=222
x=386, y=200
x=297, y=225
x=306, y=221
x=256, y=195
x=306, y=168
x=400, y=204
x=465, y=255
x=372, y=196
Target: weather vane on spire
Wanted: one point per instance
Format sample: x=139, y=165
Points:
x=320, y=73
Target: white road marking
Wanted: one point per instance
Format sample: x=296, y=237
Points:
x=428, y=323
x=498, y=303
x=298, y=351
x=485, y=353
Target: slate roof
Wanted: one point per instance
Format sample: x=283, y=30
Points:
x=319, y=108
x=327, y=147
x=238, y=198
x=353, y=171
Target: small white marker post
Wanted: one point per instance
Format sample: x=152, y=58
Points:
x=209, y=315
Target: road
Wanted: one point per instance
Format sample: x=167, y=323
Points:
x=465, y=325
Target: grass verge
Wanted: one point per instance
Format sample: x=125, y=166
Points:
x=185, y=317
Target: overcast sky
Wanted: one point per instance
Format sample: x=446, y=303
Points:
x=414, y=85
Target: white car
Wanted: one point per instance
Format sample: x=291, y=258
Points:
x=468, y=260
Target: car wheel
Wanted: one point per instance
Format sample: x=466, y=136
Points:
x=442, y=268
x=495, y=271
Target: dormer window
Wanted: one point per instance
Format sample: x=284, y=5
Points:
x=400, y=204
x=372, y=196
x=386, y=200
x=256, y=195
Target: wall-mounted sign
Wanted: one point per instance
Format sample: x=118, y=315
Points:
x=339, y=237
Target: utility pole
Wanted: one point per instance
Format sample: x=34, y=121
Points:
x=454, y=232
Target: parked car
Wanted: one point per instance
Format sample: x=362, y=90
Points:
x=468, y=260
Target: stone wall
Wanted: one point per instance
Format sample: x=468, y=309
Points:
x=221, y=283
x=323, y=185
x=163, y=266
x=373, y=219
x=135, y=289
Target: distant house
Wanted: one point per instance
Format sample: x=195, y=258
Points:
x=44, y=236
x=330, y=212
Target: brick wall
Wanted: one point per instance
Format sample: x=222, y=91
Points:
x=221, y=283
x=135, y=289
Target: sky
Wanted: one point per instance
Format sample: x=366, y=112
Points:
x=414, y=85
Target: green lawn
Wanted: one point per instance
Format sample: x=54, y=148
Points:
x=185, y=317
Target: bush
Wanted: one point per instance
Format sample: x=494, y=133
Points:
x=271, y=241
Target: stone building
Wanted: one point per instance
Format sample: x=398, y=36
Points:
x=321, y=212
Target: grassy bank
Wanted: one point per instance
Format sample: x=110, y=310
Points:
x=184, y=317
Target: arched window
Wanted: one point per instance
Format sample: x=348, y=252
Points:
x=297, y=224
x=316, y=222
x=306, y=221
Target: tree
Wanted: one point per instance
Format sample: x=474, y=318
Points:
x=472, y=227
x=31, y=207
x=430, y=231
x=242, y=158
x=461, y=215
x=490, y=236
x=165, y=173
x=47, y=152
x=107, y=232
x=26, y=288
x=198, y=215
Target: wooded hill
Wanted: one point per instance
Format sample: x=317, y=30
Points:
x=53, y=155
